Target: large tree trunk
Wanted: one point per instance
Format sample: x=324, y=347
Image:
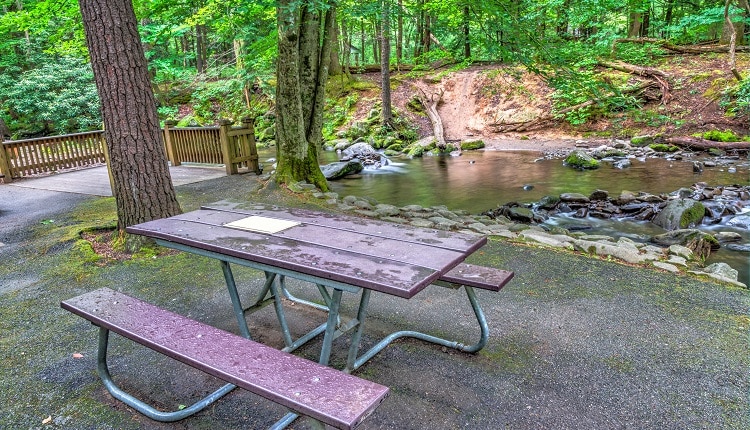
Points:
x=140, y=174
x=301, y=73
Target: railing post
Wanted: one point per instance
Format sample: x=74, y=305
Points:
x=226, y=151
x=169, y=143
x=4, y=165
x=252, y=164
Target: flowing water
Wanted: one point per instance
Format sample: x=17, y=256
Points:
x=482, y=180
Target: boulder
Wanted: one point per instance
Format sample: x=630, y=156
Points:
x=579, y=159
x=722, y=270
x=697, y=241
x=342, y=168
x=680, y=214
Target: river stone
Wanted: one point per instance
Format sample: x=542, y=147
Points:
x=728, y=237
x=681, y=251
x=741, y=221
x=722, y=269
x=666, y=266
x=573, y=198
x=549, y=202
x=699, y=242
x=738, y=247
x=555, y=240
x=412, y=208
x=599, y=195
x=580, y=159
x=520, y=213
x=626, y=197
x=363, y=204
x=680, y=213
x=677, y=260
x=419, y=222
x=604, y=249
x=386, y=210
x=622, y=164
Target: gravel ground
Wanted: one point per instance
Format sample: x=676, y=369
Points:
x=576, y=343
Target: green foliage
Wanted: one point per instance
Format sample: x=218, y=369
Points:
x=721, y=136
x=663, y=147
x=58, y=97
x=736, y=99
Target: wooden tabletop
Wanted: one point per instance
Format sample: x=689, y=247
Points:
x=387, y=257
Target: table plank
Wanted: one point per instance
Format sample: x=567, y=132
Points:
x=378, y=274
x=346, y=240
x=462, y=242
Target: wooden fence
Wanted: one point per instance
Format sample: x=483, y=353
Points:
x=232, y=146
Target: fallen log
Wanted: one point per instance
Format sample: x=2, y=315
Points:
x=692, y=49
x=649, y=72
x=703, y=144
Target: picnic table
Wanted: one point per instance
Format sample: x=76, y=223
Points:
x=335, y=252
x=338, y=253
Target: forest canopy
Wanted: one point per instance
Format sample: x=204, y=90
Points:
x=218, y=56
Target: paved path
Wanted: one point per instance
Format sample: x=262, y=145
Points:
x=95, y=181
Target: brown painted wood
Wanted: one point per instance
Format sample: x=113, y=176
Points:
x=461, y=242
x=385, y=257
x=326, y=394
x=487, y=278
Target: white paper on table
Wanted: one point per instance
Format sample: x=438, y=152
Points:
x=262, y=224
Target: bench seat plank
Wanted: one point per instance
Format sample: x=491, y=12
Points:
x=487, y=278
x=314, y=390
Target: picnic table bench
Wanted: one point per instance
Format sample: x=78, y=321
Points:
x=322, y=393
x=338, y=254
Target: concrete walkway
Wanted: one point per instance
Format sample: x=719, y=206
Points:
x=95, y=181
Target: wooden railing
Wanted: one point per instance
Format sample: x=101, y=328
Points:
x=232, y=146
x=20, y=158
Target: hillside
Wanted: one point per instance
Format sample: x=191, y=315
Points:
x=476, y=99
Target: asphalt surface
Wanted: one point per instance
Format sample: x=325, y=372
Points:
x=576, y=343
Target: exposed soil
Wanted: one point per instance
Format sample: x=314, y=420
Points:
x=475, y=98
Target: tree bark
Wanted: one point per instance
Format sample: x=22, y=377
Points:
x=301, y=74
x=732, y=42
x=141, y=181
x=681, y=49
x=698, y=143
x=385, y=64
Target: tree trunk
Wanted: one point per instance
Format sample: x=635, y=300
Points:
x=301, y=74
x=400, y=34
x=200, y=50
x=335, y=69
x=385, y=64
x=466, y=27
x=140, y=175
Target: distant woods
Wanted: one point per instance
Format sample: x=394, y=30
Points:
x=219, y=57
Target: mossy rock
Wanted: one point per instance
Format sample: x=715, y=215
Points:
x=680, y=214
x=642, y=140
x=721, y=136
x=396, y=147
x=391, y=153
x=716, y=152
x=581, y=160
x=470, y=145
x=416, y=151
x=663, y=147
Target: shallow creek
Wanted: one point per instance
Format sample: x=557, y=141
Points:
x=481, y=180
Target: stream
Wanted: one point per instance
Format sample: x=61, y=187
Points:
x=481, y=180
